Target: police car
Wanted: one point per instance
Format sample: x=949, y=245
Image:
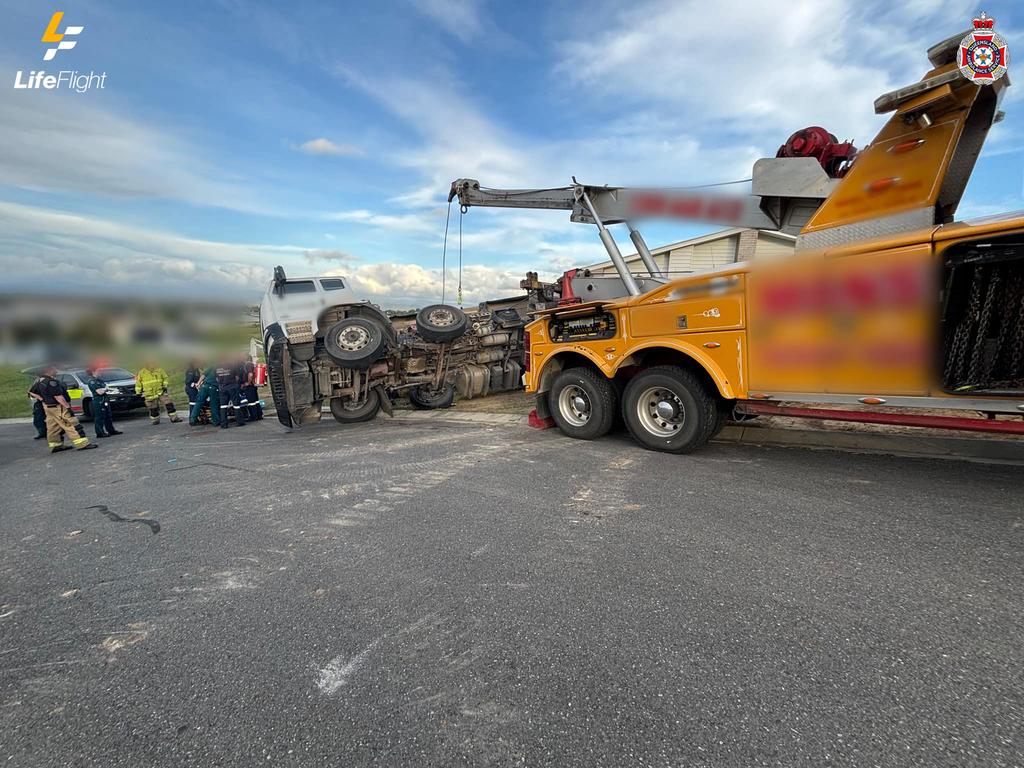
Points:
x=120, y=388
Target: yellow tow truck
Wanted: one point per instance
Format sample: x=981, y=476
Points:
x=888, y=302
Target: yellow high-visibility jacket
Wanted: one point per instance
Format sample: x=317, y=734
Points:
x=150, y=382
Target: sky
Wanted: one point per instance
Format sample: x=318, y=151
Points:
x=235, y=135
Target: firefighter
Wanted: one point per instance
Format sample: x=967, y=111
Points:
x=59, y=418
x=102, y=415
x=250, y=395
x=207, y=394
x=228, y=384
x=151, y=382
x=38, y=412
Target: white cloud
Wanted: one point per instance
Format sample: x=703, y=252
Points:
x=460, y=18
x=421, y=222
x=56, y=141
x=327, y=147
x=403, y=285
x=46, y=245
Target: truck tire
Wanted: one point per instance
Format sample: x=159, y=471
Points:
x=440, y=323
x=667, y=409
x=583, y=403
x=424, y=400
x=355, y=342
x=364, y=411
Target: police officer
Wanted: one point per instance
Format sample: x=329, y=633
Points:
x=102, y=415
x=38, y=413
x=60, y=420
x=207, y=393
x=229, y=386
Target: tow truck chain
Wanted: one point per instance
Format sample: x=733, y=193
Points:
x=996, y=296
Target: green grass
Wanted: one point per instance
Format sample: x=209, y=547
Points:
x=13, y=386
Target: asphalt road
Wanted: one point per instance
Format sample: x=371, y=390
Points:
x=436, y=594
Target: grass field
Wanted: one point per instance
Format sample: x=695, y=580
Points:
x=13, y=385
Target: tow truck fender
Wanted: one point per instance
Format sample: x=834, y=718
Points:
x=554, y=365
x=714, y=370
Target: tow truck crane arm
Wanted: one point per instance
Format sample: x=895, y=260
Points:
x=787, y=191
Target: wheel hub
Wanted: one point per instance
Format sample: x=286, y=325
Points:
x=574, y=405
x=666, y=410
x=441, y=317
x=660, y=411
x=353, y=338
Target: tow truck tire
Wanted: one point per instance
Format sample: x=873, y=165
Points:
x=667, y=409
x=440, y=323
x=365, y=411
x=424, y=400
x=355, y=342
x=583, y=403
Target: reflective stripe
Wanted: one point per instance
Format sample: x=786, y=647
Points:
x=80, y=440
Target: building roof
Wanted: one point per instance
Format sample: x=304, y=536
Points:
x=720, y=235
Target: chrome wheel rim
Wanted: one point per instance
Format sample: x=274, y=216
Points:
x=660, y=411
x=574, y=405
x=353, y=338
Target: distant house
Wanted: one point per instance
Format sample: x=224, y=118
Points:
x=714, y=250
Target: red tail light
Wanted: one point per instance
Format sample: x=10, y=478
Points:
x=526, y=350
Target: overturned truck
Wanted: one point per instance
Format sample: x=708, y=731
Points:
x=322, y=343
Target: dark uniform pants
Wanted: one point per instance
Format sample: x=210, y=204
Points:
x=207, y=394
x=103, y=417
x=39, y=417
x=231, y=397
x=61, y=421
x=250, y=398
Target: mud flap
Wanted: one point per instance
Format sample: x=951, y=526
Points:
x=385, y=402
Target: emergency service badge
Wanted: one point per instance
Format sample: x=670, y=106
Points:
x=983, y=56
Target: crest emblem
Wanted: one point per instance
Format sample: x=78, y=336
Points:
x=983, y=56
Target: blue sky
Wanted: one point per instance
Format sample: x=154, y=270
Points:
x=233, y=136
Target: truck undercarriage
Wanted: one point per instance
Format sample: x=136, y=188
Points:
x=359, y=360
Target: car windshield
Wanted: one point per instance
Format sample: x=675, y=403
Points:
x=298, y=286
x=115, y=374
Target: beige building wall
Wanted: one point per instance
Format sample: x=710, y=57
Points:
x=769, y=247
x=708, y=253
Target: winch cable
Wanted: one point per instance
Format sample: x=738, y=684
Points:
x=462, y=215
x=444, y=248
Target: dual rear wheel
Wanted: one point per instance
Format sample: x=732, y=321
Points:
x=665, y=408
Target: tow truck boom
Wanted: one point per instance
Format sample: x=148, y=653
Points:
x=786, y=192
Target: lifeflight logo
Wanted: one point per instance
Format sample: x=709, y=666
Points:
x=51, y=35
x=70, y=79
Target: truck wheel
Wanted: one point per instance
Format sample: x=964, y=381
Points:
x=667, y=409
x=583, y=403
x=346, y=412
x=355, y=342
x=439, y=323
x=423, y=399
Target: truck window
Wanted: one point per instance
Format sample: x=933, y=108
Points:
x=298, y=286
x=332, y=284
